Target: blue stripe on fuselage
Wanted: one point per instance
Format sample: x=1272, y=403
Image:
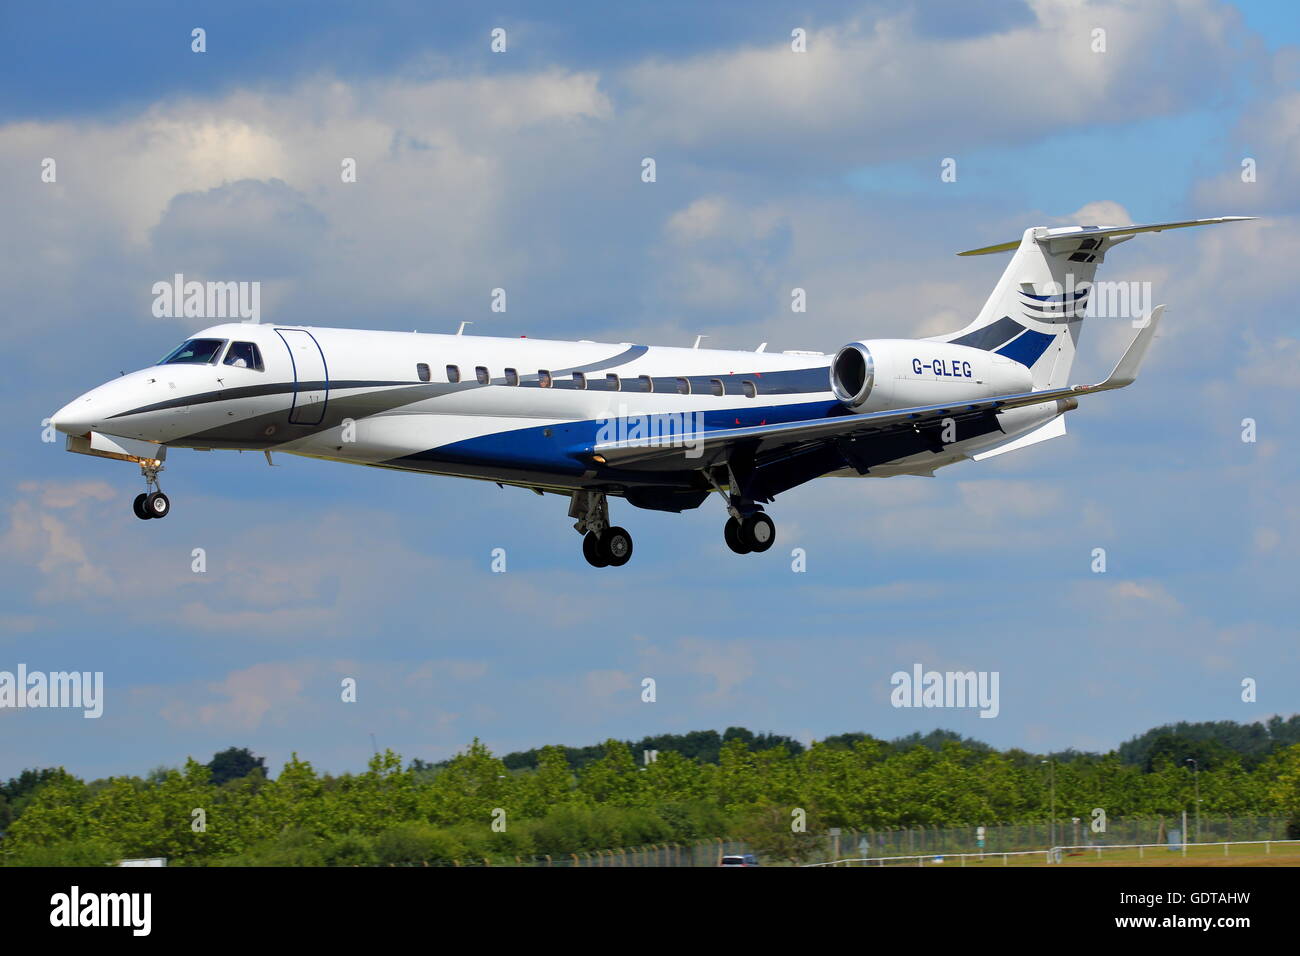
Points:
x=553, y=448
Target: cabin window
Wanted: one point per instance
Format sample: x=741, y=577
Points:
x=683, y=386
x=482, y=375
x=579, y=380
x=195, y=352
x=244, y=355
x=544, y=378
x=512, y=377
x=715, y=386
x=422, y=370
x=647, y=383
x=453, y=374
x=615, y=384
x=750, y=389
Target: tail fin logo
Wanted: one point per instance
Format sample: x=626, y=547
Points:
x=1067, y=305
x=1010, y=339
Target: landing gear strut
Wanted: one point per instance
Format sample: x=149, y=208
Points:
x=153, y=503
x=602, y=545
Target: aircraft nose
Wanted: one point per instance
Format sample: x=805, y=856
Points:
x=78, y=416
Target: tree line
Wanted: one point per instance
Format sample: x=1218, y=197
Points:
x=558, y=800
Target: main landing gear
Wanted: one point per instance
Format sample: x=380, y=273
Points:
x=153, y=503
x=748, y=529
x=753, y=532
x=602, y=545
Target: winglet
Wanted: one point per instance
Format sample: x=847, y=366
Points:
x=1126, y=370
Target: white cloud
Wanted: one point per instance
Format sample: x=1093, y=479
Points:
x=874, y=89
x=727, y=663
x=438, y=162
x=250, y=694
x=1269, y=137
x=1103, y=212
x=44, y=534
x=1150, y=593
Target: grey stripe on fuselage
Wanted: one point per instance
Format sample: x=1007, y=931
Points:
x=269, y=429
x=275, y=388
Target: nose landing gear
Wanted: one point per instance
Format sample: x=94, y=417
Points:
x=153, y=503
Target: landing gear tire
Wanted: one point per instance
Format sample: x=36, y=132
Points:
x=735, y=541
x=138, y=507
x=158, y=505
x=758, y=531
x=615, y=546
x=591, y=551
x=603, y=545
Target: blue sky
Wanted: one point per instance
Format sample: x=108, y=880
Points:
x=522, y=170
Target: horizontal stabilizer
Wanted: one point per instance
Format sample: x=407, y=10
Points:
x=1097, y=232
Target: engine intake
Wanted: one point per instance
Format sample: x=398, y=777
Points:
x=853, y=373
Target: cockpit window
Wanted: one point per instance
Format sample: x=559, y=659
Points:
x=244, y=355
x=195, y=352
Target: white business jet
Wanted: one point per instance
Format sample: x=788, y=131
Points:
x=662, y=428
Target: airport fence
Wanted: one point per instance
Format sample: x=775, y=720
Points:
x=1006, y=837
x=924, y=841
x=1200, y=853
x=701, y=853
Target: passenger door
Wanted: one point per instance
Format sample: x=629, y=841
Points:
x=310, y=374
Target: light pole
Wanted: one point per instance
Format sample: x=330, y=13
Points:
x=1196, y=782
x=1051, y=769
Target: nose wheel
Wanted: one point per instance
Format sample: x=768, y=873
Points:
x=153, y=503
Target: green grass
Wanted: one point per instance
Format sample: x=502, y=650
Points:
x=1239, y=854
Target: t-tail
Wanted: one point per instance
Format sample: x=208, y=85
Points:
x=1038, y=306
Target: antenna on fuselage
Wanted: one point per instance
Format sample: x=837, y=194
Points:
x=461, y=330
x=698, y=340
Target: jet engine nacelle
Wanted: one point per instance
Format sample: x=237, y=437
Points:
x=878, y=374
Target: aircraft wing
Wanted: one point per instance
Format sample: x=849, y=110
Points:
x=706, y=449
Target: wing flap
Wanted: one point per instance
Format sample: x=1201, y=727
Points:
x=1055, y=428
